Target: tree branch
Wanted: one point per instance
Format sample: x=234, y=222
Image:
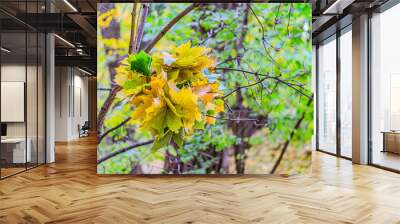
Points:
x=263, y=38
x=100, y=137
x=276, y=78
x=103, y=89
x=110, y=98
x=254, y=120
x=229, y=60
x=229, y=107
x=167, y=27
x=242, y=87
x=240, y=41
x=140, y=31
x=285, y=146
x=233, y=119
x=213, y=33
x=107, y=103
x=106, y=157
x=132, y=45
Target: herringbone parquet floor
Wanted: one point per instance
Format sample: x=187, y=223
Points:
x=69, y=191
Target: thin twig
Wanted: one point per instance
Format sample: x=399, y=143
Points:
x=285, y=146
x=229, y=107
x=101, y=137
x=167, y=27
x=276, y=78
x=228, y=60
x=233, y=119
x=213, y=33
x=262, y=86
x=263, y=39
x=242, y=87
x=119, y=151
x=288, y=23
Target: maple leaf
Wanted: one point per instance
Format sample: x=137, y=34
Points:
x=186, y=63
x=185, y=102
x=140, y=62
x=131, y=82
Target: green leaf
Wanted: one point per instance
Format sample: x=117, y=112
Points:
x=140, y=62
x=199, y=125
x=177, y=138
x=173, y=74
x=210, y=112
x=136, y=82
x=174, y=123
x=161, y=141
x=256, y=140
x=158, y=121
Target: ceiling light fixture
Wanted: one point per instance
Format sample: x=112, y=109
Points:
x=337, y=7
x=64, y=40
x=84, y=71
x=5, y=50
x=70, y=5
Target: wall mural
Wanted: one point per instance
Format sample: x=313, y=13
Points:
x=192, y=88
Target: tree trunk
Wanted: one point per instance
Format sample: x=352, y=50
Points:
x=225, y=161
x=240, y=158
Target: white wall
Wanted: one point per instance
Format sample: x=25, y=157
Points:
x=12, y=73
x=16, y=73
x=71, y=102
x=80, y=110
x=61, y=103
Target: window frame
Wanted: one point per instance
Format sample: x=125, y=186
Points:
x=333, y=37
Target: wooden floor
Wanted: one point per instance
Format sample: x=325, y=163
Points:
x=5, y=172
x=69, y=191
x=386, y=159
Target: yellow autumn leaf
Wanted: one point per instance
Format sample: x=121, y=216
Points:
x=174, y=123
x=141, y=102
x=210, y=120
x=220, y=106
x=104, y=19
x=185, y=102
x=185, y=63
x=132, y=82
